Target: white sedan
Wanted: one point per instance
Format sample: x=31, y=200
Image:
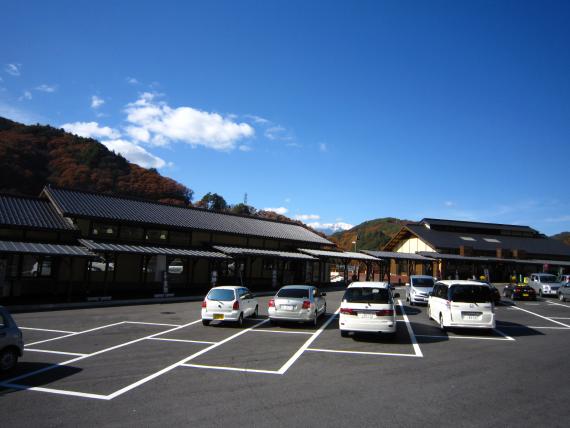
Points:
x=229, y=303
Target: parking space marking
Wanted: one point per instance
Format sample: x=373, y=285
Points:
x=179, y=363
x=48, y=351
x=560, y=318
x=73, y=360
x=182, y=340
x=533, y=327
x=335, y=351
x=281, y=331
x=305, y=345
x=417, y=349
x=151, y=323
x=433, y=336
x=541, y=316
x=558, y=304
x=75, y=334
x=56, y=391
x=231, y=369
x=46, y=329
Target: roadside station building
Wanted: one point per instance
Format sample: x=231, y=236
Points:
x=462, y=249
x=76, y=245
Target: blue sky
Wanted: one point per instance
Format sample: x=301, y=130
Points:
x=332, y=112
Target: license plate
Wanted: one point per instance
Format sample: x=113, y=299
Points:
x=287, y=307
x=470, y=317
x=365, y=315
x=525, y=294
x=218, y=316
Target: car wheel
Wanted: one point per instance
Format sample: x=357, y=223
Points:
x=344, y=333
x=561, y=297
x=411, y=302
x=8, y=359
x=316, y=319
x=325, y=309
x=540, y=292
x=239, y=322
x=441, y=326
x=206, y=322
x=428, y=312
x=256, y=312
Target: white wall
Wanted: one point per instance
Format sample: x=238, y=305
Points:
x=413, y=245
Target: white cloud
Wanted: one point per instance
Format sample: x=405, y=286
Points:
x=132, y=81
x=278, y=133
x=561, y=219
x=46, y=88
x=91, y=130
x=19, y=115
x=13, y=69
x=449, y=204
x=245, y=148
x=280, y=210
x=96, y=101
x=27, y=95
x=323, y=147
x=135, y=153
x=335, y=227
x=305, y=217
x=185, y=124
x=287, y=200
x=257, y=119
x=139, y=134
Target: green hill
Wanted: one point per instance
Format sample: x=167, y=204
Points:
x=563, y=236
x=370, y=235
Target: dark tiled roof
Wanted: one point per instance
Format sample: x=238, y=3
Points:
x=477, y=225
x=235, y=251
x=31, y=212
x=344, y=255
x=150, y=250
x=393, y=255
x=443, y=239
x=97, y=206
x=15, y=247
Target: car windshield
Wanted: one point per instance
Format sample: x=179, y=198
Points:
x=422, y=282
x=367, y=295
x=547, y=278
x=222, y=294
x=470, y=293
x=294, y=293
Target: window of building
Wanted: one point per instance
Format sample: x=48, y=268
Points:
x=132, y=233
x=155, y=235
x=101, y=264
x=105, y=230
x=176, y=266
x=36, y=266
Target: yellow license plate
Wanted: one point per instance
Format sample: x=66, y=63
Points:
x=525, y=294
x=218, y=316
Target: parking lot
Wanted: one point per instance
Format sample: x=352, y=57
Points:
x=157, y=364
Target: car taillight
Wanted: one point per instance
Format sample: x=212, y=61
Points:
x=385, y=313
x=347, y=311
x=271, y=303
x=203, y=303
x=306, y=304
x=235, y=307
x=448, y=304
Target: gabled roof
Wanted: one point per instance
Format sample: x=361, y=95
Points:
x=436, y=222
x=18, y=211
x=79, y=204
x=397, y=256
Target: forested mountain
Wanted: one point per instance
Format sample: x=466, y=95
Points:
x=370, y=235
x=563, y=236
x=33, y=156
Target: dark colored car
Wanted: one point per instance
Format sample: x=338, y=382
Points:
x=495, y=293
x=519, y=292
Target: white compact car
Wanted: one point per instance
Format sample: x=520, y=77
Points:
x=368, y=307
x=303, y=303
x=229, y=303
x=544, y=284
x=457, y=303
x=418, y=289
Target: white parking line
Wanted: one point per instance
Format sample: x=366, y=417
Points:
x=181, y=340
x=75, y=333
x=417, y=349
x=281, y=331
x=46, y=329
x=560, y=318
x=533, y=327
x=432, y=336
x=179, y=363
x=152, y=323
x=503, y=334
x=305, y=345
x=559, y=304
x=232, y=369
x=56, y=391
x=53, y=366
x=47, y=351
x=337, y=351
x=543, y=317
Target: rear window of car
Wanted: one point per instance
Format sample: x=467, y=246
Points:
x=422, y=282
x=222, y=295
x=470, y=293
x=367, y=295
x=294, y=293
x=547, y=278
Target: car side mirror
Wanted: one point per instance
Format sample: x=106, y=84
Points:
x=397, y=295
x=323, y=293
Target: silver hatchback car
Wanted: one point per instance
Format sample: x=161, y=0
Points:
x=11, y=341
x=303, y=303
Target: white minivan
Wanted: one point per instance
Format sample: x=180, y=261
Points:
x=418, y=289
x=368, y=307
x=457, y=303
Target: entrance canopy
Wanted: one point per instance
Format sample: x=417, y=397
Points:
x=15, y=247
x=237, y=251
x=106, y=247
x=342, y=255
x=397, y=256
